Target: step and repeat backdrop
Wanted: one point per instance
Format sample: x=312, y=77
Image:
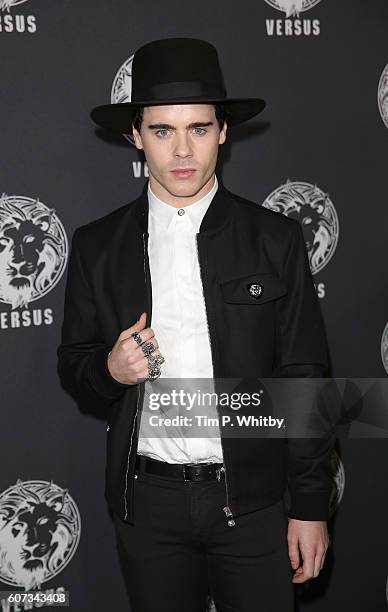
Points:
x=317, y=153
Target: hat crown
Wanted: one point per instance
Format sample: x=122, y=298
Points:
x=175, y=71
x=173, y=68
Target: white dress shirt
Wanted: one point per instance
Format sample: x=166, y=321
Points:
x=180, y=326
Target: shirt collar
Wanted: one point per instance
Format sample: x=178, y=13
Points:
x=164, y=213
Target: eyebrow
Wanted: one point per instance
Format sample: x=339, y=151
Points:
x=166, y=126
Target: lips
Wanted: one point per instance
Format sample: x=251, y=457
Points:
x=183, y=173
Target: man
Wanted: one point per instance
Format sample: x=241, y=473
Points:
x=229, y=290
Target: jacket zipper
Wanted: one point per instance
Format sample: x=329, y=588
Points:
x=137, y=405
x=226, y=509
x=129, y=453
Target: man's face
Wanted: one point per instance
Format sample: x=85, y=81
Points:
x=181, y=136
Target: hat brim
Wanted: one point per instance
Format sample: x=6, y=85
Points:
x=118, y=117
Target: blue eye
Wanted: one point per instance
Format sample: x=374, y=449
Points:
x=164, y=132
x=159, y=131
x=202, y=130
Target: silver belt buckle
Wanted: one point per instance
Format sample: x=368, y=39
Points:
x=184, y=474
x=184, y=471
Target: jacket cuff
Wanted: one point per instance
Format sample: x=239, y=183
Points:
x=100, y=377
x=309, y=506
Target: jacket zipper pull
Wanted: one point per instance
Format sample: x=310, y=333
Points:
x=218, y=473
x=231, y=522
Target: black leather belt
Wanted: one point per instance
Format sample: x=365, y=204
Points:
x=181, y=471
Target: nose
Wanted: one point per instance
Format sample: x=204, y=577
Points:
x=182, y=145
x=18, y=265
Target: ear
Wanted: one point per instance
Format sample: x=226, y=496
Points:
x=222, y=136
x=137, y=138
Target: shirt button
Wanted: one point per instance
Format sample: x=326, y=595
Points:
x=181, y=212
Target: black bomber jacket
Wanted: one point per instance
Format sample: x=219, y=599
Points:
x=280, y=335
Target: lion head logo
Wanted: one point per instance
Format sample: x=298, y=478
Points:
x=122, y=88
x=337, y=491
x=33, y=250
x=39, y=532
x=315, y=212
x=384, y=348
x=6, y=5
x=292, y=8
x=386, y=590
x=382, y=95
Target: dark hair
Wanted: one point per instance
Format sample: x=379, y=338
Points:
x=220, y=111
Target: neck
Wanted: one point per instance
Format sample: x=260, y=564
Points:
x=180, y=201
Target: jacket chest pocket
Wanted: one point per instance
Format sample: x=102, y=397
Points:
x=254, y=289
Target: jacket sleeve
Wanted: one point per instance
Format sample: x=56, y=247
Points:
x=82, y=354
x=302, y=351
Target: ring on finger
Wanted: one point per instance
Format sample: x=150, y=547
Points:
x=154, y=373
x=137, y=337
x=155, y=360
x=147, y=348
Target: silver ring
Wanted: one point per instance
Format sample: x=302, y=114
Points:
x=147, y=348
x=155, y=360
x=137, y=337
x=154, y=373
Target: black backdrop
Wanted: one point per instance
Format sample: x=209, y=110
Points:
x=319, y=148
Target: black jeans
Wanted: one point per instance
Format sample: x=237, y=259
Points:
x=181, y=547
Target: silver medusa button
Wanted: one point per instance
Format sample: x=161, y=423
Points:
x=255, y=290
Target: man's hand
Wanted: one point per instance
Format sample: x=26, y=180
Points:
x=311, y=538
x=127, y=362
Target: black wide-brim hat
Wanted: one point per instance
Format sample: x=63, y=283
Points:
x=175, y=71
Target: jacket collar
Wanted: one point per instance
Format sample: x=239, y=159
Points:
x=217, y=215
